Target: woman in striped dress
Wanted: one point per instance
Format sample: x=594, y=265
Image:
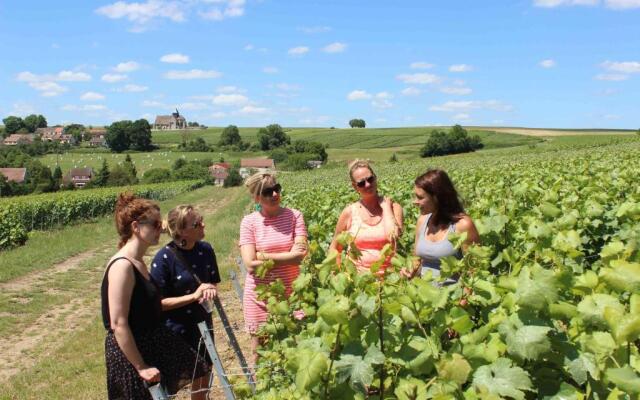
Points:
x=270, y=233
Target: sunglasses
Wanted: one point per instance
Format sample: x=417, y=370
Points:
x=156, y=224
x=370, y=179
x=268, y=192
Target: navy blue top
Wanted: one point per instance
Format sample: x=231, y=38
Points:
x=174, y=280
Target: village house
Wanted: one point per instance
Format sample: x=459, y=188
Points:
x=46, y=134
x=253, y=165
x=97, y=141
x=219, y=171
x=170, y=122
x=17, y=175
x=18, y=138
x=79, y=176
x=314, y=164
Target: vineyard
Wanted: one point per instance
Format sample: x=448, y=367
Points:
x=547, y=307
x=20, y=215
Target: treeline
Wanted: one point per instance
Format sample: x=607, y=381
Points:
x=457, y=140
x=29, y=124
x=39, y=177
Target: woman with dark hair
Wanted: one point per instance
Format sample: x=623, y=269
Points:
x=441, y=213
x=139, y=349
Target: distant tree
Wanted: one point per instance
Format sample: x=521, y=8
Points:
x=191, y=170
x=315, y=148
x=279, y=156
x=234, y=178
x=198, y=145
x=117, y=136
x=394, y=158
x=57, y=176
x=179, y=163
x=31, y=123
x=140, y=135
x=75, y=130
x=299, y=161
x=130, y=166
x=13, y=124
x=230, y=136
x=102, y=177
x=193, y=124
x=121, y=176
x=272, y=136
x=157, y=175
x=455, y=141
x=357, y=123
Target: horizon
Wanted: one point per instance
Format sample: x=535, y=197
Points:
x=534, y=64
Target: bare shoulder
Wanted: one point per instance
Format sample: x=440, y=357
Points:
x=120, y=268
x=421, y=219
x=465, y=223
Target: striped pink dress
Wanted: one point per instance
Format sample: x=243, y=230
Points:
x=269, y=235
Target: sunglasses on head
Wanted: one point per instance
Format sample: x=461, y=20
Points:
x=156, y=224
x=370, y=179
x=268, y=192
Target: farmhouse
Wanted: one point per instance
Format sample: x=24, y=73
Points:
x=18, y=138
x=173, y=121
x=79, y=176
x=250, y=165
x=219, y=172
x=17, y=175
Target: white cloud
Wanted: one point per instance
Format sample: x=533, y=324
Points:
x=547, y=63
x=131, y=88
x=611, y=77
x=175, y=58
x=381, y=100
x=22, y=108
x=72, y=76
x=461, y=117
x=461, y=91
x=626, y=67
x=218, y=115
x=192, y=106
x=287, y=87
x=92, y=96
x=86, y=107
x=336, y=47
x=248, y=110
x=358, y=95
x=153, y=104
x=421, y=65
x=622, y=4
x=233, y=99
x=230, y=89
x=420, y=78
x=462, y=106
x=314, y=29
x=384, y=95
x=231, y=9
x=193, y=74
x=298, y=51
x=557, y=3
x=270, y=70
x=128, y=66
x=248, y=47
x=48, y=89
x=113, y=78
x=141, y=14
x=460, y=68
x=411, y=91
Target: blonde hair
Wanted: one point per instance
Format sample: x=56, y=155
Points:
x=255, y=183
x=357, y=163
x=175, y=222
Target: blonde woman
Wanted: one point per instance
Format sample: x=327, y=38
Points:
x=187, y=273
x=373, y=220
x=270, y=233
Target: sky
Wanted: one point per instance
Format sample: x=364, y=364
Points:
x=532, y=63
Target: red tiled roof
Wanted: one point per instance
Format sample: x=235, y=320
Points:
x=257, y=163
x=224, y=165
x=14, y=174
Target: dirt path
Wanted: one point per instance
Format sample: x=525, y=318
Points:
x=38, y=340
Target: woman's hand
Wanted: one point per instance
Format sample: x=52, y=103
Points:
x=149, y=374
x=209, y=294
x=387, y=204
x=199, y=294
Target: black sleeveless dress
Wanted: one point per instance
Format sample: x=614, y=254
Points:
x=159, y=346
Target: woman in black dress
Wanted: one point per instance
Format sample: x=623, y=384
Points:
x=187, y=274
x=138, y=347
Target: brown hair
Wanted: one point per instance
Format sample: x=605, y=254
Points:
x=130, y=208
x=436, y=182
x=175, y=222
x=357, y=163
x=255, y=183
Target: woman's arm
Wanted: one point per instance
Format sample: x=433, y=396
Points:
x=392, y=218
x=465, y=224
x=342, y=225
x=121, y=282
x=204, y=292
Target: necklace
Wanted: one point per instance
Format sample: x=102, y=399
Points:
x=371, y=215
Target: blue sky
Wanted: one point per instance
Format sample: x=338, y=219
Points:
x=535, y=63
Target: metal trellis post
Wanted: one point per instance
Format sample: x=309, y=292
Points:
x=217, y=364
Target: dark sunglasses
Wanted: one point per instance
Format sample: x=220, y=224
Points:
x=157, y=224
x=268, y=192
x=370, y=179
